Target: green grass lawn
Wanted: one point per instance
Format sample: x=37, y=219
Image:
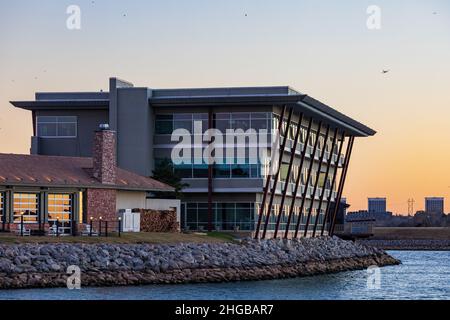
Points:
x=143, y=237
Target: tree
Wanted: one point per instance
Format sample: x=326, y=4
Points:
x=164, y=172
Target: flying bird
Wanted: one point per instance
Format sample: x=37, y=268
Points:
x=385, y=71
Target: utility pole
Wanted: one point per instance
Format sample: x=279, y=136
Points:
x=411, y=206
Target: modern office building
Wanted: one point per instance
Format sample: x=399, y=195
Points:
x=434, y=205
x=377, y=205
x=241, y=194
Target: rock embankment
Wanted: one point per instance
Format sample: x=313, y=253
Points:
x=408, y=244
x=45, y=265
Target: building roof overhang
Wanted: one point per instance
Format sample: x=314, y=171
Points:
x=54, y=104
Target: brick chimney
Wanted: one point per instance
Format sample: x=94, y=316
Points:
x=104, y=155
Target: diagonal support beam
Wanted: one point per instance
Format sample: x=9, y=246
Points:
x=299, y=175
x=311, y=162
x=333, y=182
x=316, y=183
x=277, y=174
x=286, y=184
x=330, y=159
x=342, y=182
x=268, y=179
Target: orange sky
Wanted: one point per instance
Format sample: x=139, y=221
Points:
x=322, y=48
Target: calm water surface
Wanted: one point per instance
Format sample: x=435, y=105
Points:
x=422, y=275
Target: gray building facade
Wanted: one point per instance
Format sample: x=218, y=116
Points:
x=314, y=144
x=377, y=205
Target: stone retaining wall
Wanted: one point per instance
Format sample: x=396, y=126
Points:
x=25, y=266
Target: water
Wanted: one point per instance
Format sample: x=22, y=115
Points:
x=422, y=275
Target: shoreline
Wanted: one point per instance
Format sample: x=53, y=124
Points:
x=408, y=244
x=133, y=265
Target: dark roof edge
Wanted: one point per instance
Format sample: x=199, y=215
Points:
x=45, y=104
x=338, y=115
x=84, y=186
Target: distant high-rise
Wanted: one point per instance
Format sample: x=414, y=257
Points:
x=377, y=205
x=434, y=205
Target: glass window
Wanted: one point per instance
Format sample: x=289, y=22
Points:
x=61, y=127
x=200, y=171
x=26, y=204
x=222, y=121
x=183, y=170
x=240, y=121
x=259, y=124
x=322, y=180
x=47, y=129
x=240, y=171
x=255, y=170
x=60, y=209
x=222, y=171
x=284, y=171
x=67, y=129
x=164, y=124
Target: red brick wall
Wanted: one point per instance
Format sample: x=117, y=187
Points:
x=104, y=156
x=101, y=203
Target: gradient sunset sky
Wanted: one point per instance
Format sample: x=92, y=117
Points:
x=322, y=48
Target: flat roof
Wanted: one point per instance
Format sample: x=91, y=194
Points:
x=249, y=96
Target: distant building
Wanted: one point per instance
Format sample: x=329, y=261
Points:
x=377, y=205
x=340, y=216
x=360, y=223
x=434, y=205
x=380, y=218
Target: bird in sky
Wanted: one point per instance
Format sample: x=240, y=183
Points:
x=385, y=71
x=246, y=15
x=434, y=12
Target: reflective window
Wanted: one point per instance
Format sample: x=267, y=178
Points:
x=167, y=123
x=60, y=127
x=225, y=216
x=26, y=205
x=284, y=171
x=60, y=209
